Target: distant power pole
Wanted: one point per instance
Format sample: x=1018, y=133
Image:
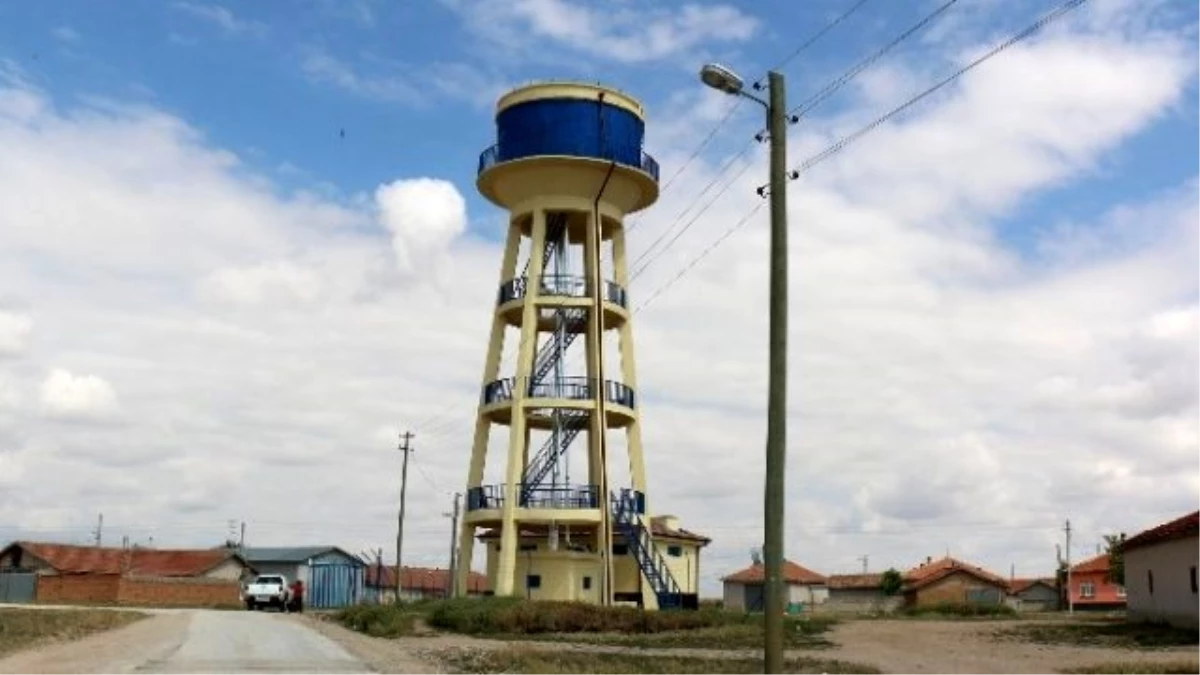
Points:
x=406, y=448
x=99, y=530
x=450, y=589
x=864, y=558
x=1070, y=601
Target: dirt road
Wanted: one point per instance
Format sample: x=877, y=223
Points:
x=194, y=641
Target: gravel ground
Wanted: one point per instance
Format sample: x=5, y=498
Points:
x=903, y=646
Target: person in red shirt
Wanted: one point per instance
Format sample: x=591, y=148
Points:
x=297, y=604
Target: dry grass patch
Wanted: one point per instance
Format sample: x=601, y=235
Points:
x=1114, y=634
x=23, y=628
x=524, y=660
x=1121, y=667
x=798, y=635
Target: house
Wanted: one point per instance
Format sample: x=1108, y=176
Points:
x=1160, y=572
x=743, y=590
x=552, y=567
x=331, y=576
x=860, y=593
x=1033, y=595
x=68, y=573
x=418, y=583
x=1091, y=589
x=951, y=581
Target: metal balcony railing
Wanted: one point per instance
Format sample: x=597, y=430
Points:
x=573, y=388
x=539, y=497
x=561, y=285
x=493, y=156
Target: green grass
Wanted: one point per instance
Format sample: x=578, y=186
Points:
x=23, y=628
x=517, y=619
x=519, y=660
x=1117, y=634
x=382, y=621
x=1122, y=667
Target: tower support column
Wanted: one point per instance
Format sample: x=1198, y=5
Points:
x=507, y=567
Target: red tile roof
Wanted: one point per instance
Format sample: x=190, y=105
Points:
x=861, y=581
x=72, y=559
x=658, y=528
x=792, y=574
x=1186, y=526
x=927, y=573
x=421, y=578
x=1099, y=563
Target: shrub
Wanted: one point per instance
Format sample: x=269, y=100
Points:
x=386, y=621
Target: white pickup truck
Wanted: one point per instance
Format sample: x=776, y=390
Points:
x=268, y=590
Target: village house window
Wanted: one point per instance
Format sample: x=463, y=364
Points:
x=1193, y=579
x=1087, y=590
x=674, y=551
x=533, y=581
x=587, y=583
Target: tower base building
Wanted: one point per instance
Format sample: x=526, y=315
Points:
x=558, y=520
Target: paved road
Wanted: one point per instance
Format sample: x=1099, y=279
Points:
x=196, y=641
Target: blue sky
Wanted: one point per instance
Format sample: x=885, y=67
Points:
x=200, y=278
x=245, y=75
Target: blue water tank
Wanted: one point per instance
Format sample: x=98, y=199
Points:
x=570, y=126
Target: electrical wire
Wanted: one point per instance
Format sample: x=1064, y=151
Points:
x=813, y=39
x=842, y=143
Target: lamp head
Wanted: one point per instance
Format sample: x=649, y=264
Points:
x=721, y=78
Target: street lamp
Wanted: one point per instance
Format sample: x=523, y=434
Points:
x=723, y=79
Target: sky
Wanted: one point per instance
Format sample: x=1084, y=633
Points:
x=241, y=250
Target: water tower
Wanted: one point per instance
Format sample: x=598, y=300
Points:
x=567, y=166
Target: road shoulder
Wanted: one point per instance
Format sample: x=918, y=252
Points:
x=116, y=651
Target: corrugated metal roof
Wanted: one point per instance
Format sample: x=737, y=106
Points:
x=292, y=554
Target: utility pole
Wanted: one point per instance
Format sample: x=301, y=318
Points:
x=406, y=448
x=453, y=515
x=99, y=530
x=242, y=539
x=1070, y=602
x=864, y=558
x=725, y=80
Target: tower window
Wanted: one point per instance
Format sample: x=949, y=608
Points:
x=1150, y=580
x=525, y=548
x=587, y=582
x=620, y=549
x=674, y=551
x=1193, y=579
x=533, y=581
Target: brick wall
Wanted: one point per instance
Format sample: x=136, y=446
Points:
x=82, y=588
x=178, y=592
x=112, y=589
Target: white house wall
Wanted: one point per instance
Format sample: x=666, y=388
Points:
x=734, y=596
x=1173, y=599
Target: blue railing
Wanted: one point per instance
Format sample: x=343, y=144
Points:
x=560, y=285
x=539, y=497
x=573, y=388
x=492, y=156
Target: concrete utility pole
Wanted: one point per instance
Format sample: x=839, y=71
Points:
x=99, y=530
x=453, y=515
x=723, y=79
x=1070, y=602
x=406, y=448
x=864, y=557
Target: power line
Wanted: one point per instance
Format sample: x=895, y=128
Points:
x=837, y=147
x=841, y=144
x=813, y=39
x=842, y=80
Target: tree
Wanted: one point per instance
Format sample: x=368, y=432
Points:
x=891, y=582
x=1116, y=557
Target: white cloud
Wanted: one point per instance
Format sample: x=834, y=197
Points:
x=424, y=216
x=323, y=67
x=65, y=34
x=15, y=329
x=384, y=80
x=222, y=17
x=946, y=389
x=77, y=397
x=619, y=33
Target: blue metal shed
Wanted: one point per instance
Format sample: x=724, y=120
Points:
x=332, y=577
